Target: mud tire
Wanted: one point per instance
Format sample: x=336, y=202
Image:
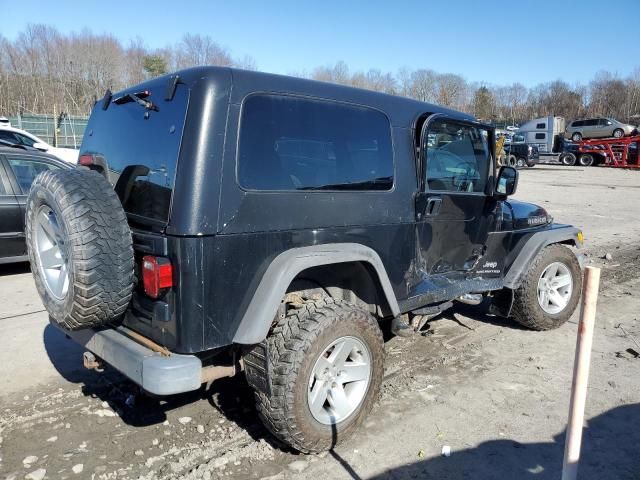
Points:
x=293, y=347
x=96, y=241
x=526, y=308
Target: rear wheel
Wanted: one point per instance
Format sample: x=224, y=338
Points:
x=586, y=160
x=618, y=133
x=512, y=161
x=550, y=289
x=576, y=137
x=326, y=361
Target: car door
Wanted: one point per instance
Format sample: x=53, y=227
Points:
x=453, y=210
x=591, y=128
x=606, y=127
x=11, y=231
x=22, y=170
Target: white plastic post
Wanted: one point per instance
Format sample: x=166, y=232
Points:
x=573, y=439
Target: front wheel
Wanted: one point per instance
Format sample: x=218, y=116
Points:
x=576, y=137
x=568, y=159
x=550, y=289
x=326, y=362
x=521, y=163
x=618, y=133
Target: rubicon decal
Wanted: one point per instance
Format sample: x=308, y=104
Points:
x=537, y=220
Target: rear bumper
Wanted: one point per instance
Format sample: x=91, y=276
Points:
x=154, y=372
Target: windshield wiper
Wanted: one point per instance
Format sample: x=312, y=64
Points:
x=139, y=98
x=362, y=185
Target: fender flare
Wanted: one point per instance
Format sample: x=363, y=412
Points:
x=264, y=305
x=535, y=243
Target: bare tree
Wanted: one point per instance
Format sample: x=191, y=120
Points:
x=42, y=70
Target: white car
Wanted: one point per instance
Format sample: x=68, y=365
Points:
x=20, y=137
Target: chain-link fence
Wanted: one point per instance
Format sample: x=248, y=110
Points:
x=57, y=130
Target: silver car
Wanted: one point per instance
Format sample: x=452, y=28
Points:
x=597, y=128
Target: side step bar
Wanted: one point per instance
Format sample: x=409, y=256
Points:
x=401, y=327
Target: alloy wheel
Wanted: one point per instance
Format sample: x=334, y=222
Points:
x=554, y=288
x=52, y=253
x=339, y=380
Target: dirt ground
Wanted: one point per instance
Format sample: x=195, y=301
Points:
x=496, y=394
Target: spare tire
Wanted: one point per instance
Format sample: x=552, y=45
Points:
x=80, y=248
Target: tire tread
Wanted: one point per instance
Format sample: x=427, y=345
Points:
x=100, y=246
x=287, y=343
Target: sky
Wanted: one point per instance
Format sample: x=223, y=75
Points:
x=492, y=42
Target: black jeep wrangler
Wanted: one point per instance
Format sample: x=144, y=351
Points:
x=224, y=220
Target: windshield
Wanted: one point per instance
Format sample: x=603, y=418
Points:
x=140, y=145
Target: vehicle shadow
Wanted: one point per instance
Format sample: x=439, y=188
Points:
x=232, y=397
x=479, y=313
x=122, y=395
x=14, y=269
x=65, y=355
x=609, y=450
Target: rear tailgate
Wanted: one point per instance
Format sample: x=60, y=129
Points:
x=135, y=137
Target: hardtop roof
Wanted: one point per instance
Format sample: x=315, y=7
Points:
x=402, y=111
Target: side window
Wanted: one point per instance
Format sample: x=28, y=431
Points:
x=3, y=190
x=24, y=140
x=577, y=123
x=541, y=125
x=26, y=169
x=9, y=136
x=540, y=136
x=292, y=143
x=591, y=123
x=457, y=157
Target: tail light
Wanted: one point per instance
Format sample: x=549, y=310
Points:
x=86, y=160
x=157, y=275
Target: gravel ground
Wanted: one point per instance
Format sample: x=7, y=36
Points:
x=495, y=394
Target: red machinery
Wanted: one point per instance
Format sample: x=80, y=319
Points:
x=617, y=152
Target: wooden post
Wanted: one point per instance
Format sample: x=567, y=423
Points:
x=55, y=126
x=580, y=373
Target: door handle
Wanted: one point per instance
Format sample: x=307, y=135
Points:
x=433, y=206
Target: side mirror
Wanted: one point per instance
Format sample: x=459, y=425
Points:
x=43, y=147
x=507, y=181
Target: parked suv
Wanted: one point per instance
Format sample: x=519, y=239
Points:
x=522, y=154
x=597, y=128
x=227, y=220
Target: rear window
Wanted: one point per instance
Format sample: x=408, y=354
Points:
x=140, y=148
x=293, y=143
